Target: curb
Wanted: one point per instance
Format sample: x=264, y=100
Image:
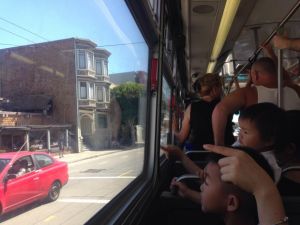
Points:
x=84, y=158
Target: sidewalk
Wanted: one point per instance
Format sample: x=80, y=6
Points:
x=75, y=157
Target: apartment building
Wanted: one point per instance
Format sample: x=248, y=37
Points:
x=63, y=83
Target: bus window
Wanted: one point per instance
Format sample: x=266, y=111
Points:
x=73, y=77
x=165, y=113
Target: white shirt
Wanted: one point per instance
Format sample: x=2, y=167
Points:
x=291, y=101
x=270, y=157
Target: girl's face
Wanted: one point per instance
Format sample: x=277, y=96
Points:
x=249, y=136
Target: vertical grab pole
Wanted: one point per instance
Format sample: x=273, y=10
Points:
x=279, y=78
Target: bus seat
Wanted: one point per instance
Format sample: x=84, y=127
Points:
x=292, y=208
x=191, y=180
x=198, y=157
x=290, y=168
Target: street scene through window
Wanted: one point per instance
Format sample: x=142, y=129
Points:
x=73, y=84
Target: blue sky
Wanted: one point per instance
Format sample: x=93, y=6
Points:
x=108, y=23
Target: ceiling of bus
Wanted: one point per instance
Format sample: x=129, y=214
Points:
x=267, y=14
x=201, y=19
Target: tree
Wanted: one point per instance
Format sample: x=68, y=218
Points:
x=128, y=95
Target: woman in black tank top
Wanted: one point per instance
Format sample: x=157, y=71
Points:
x=196, y=127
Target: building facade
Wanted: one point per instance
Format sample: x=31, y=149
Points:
x=70, y=80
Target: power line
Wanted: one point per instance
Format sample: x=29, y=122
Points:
x=1, y=28
x=16, y=25
x=7, y=21
x=8, y=44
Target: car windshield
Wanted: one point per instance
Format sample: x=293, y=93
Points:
x=3, y=163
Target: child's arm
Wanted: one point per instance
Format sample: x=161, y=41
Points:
x=173, y=152
x=185, y=128
x=185, y=192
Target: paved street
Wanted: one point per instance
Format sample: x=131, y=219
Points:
x=95, y=178
x=75, y=157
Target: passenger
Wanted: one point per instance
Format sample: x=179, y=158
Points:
x=263, y=128
x=269, y=52
x=196, y=126
x=289, y=183
x=241, y=170
x=282, y=42
x=263, y=75
x=19, y=168
x=23, y=167
x=15, y=168
x=235, y=205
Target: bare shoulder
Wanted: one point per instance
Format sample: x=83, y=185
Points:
x=240, y=93
x=251, y=95
x=240, y=98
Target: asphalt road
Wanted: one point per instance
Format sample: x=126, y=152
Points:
x=92, y=184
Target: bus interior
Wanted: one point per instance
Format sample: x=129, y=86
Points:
x=158, y=48
x=188, y=38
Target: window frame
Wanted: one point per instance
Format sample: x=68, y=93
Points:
x=99, y=62
x=86, y=90
x=99, y=89
x=81, y=64
x=123, y=208
x=88, y=58
x=106, y=120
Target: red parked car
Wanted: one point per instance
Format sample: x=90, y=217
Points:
x=26, y=177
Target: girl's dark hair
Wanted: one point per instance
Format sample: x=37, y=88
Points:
x=270, y=121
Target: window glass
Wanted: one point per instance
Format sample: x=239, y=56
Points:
x=90, y=61
x=21, y=166
x=81, y=59
x=165, y=113
x=99, y=94
x=3, y=163
x=98, y=67
x=105, y=69
x=83, y=90
x=48, y=53
x=43, y=160
x=107, y=94
x=102, y=121
x=92, y=88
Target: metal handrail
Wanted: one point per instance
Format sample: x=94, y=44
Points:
x=268, y=39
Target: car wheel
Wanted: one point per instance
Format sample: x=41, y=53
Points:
x=54, y=192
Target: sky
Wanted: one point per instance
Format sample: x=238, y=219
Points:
x=108, y=23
